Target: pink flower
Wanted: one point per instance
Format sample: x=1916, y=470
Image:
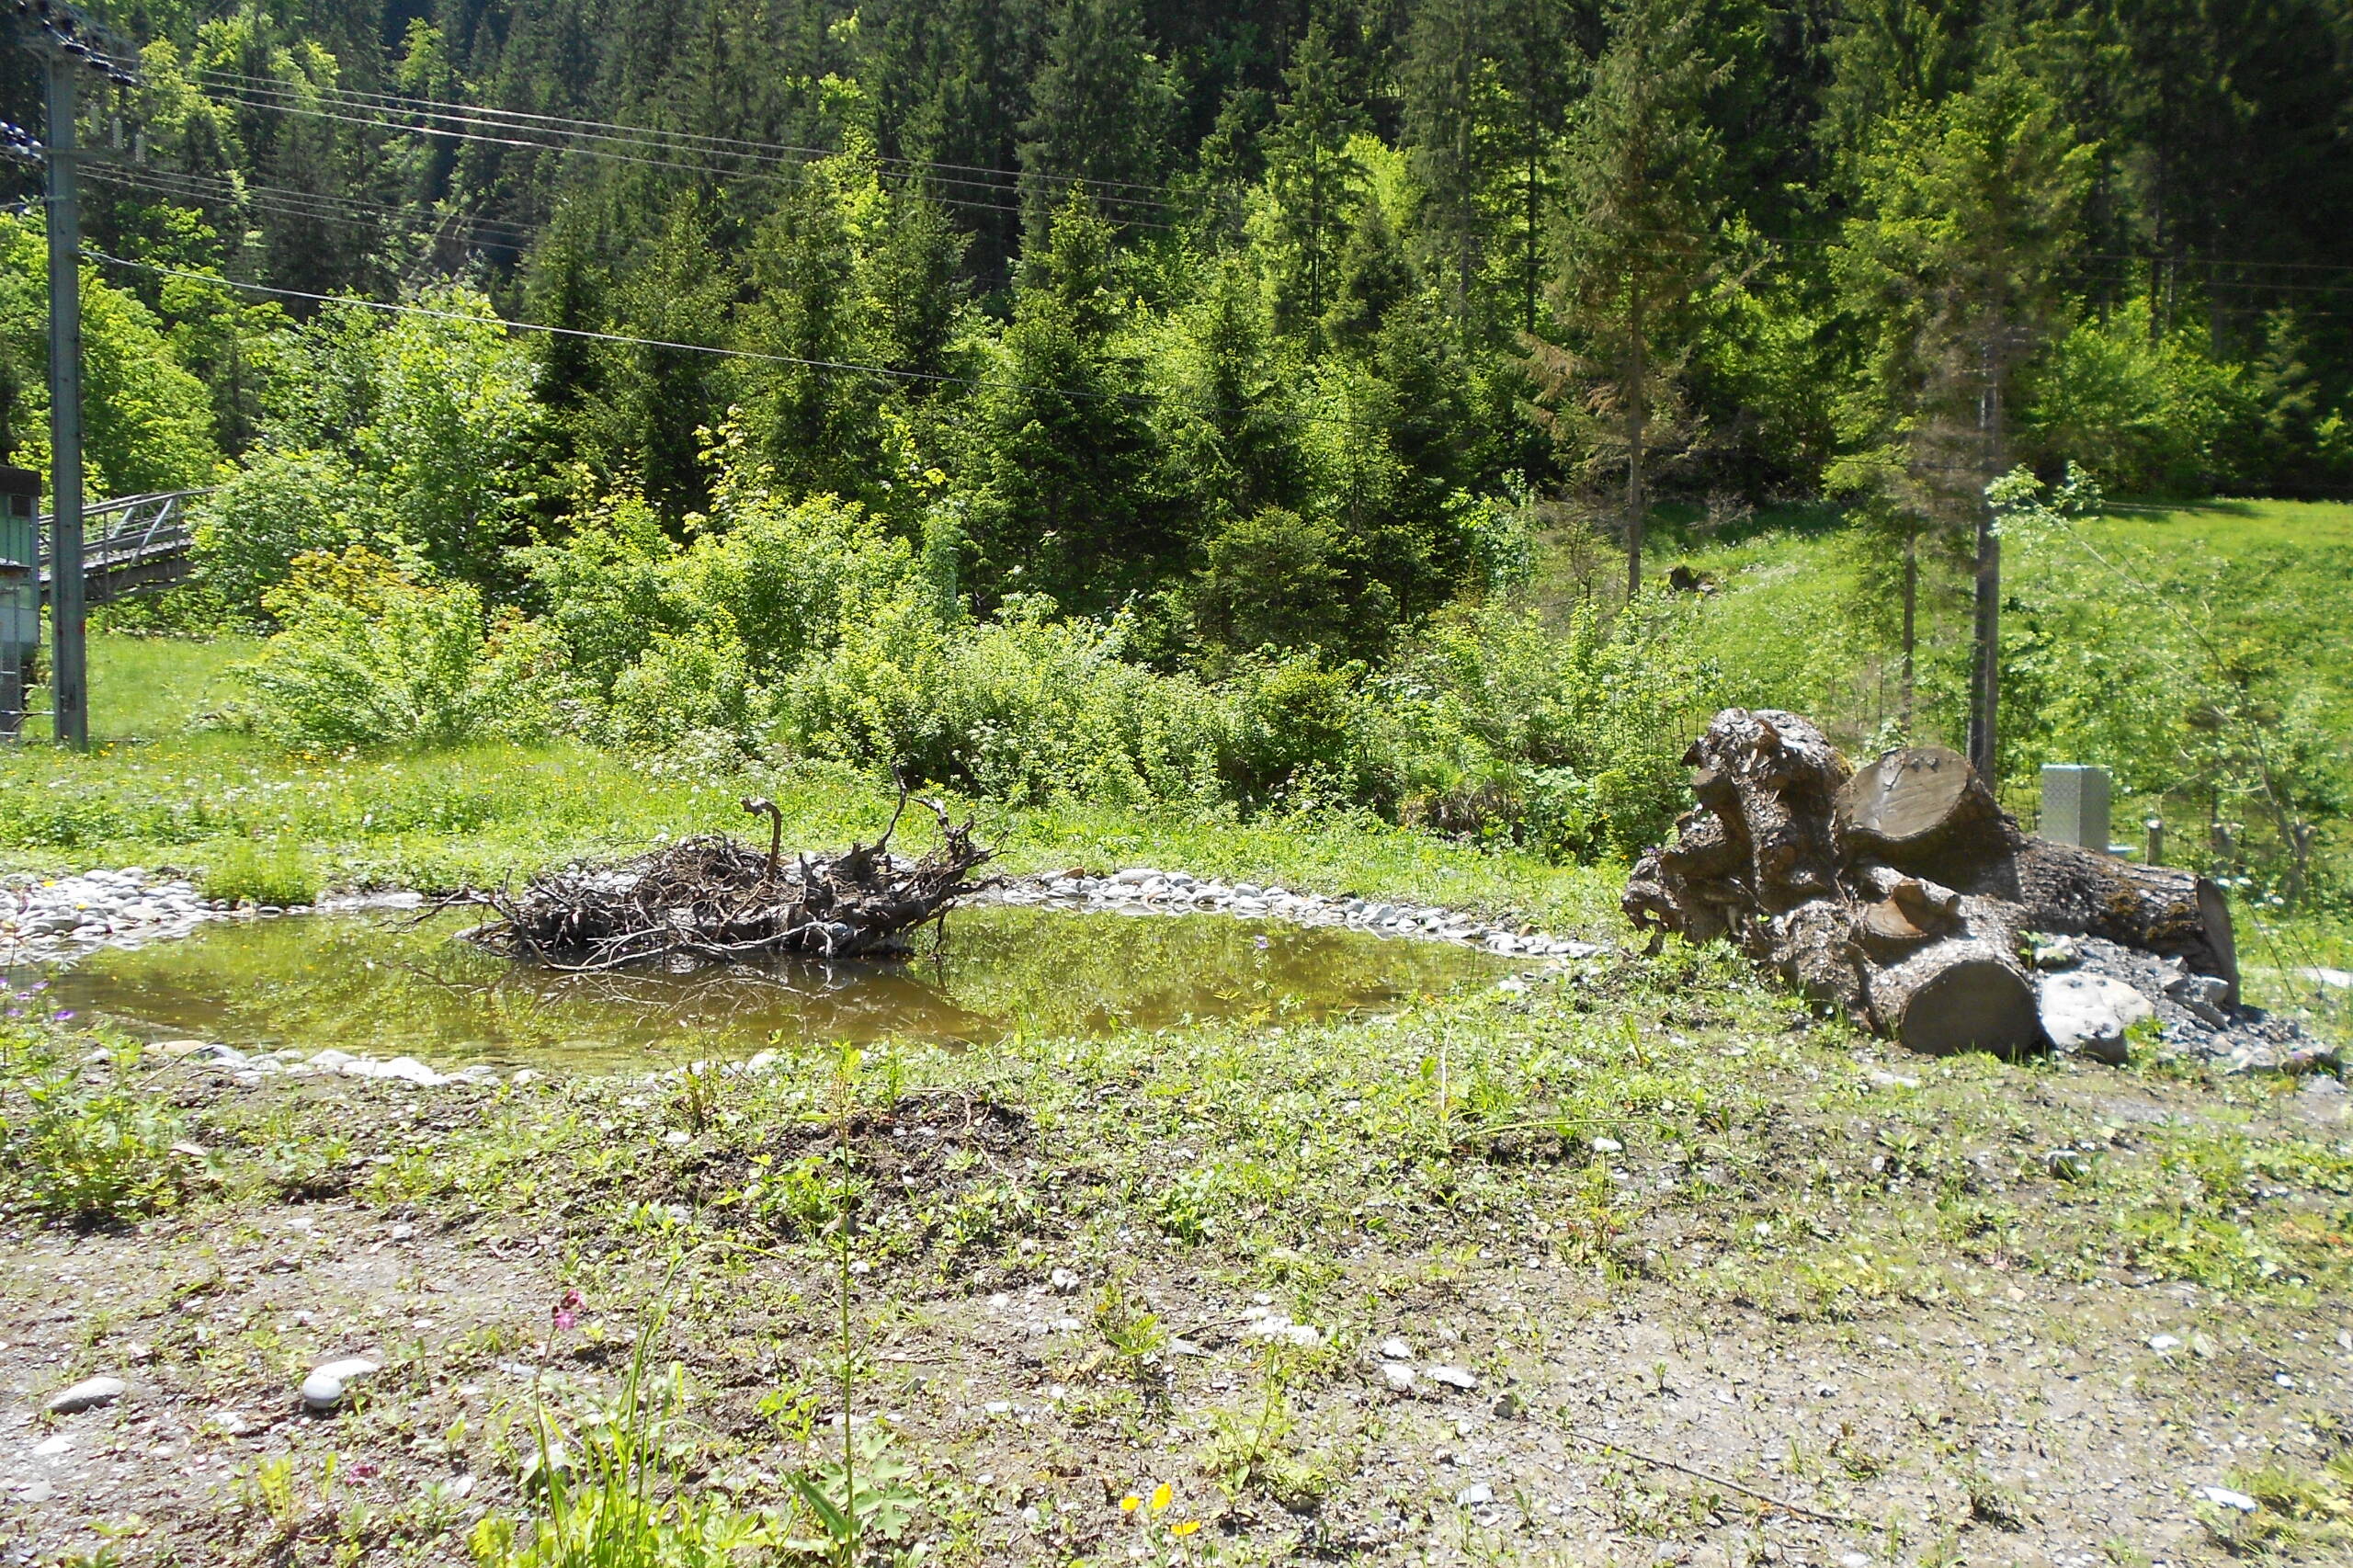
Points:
x=567, y=1311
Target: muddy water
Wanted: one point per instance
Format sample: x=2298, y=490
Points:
x=369, y=985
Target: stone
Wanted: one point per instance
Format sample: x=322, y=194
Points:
x=1608, y=1146
x=2161, y=1343
x=90, y=1393
x=2087, y=1015
x=1398, y=1376
x=2202, y=996
x=1063, y=1281
x=1395, y=1349
x=323, y=1390
x=2223, y=1498
x=1452, y=1377
x=408, y=1070
x=1476, y=1496
x=50, y=1448
x=2334, y=979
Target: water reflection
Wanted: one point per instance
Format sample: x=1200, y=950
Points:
x=374, y=985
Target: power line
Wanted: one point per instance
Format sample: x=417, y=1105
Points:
x=1132, y=400
x=783, y=169
x=322, y=206
x=455, y=110
x=476, y=123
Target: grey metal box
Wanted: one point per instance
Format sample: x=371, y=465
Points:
x=2074, y=804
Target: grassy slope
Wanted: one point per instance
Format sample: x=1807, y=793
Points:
x=1794, y=629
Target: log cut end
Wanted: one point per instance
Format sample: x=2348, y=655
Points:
x=1959, y=995
x=1913, y=804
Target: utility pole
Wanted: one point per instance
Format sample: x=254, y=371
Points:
x=69, y=669
x=63, y=41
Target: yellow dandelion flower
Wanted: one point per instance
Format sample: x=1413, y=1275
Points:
x=1161, y=1497
x=1187, y=1527
x=1131, y=1503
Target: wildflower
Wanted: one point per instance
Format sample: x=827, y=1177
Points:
x=1186, y=1528
x=567, y=1311
x=63, y=1015
x=1262, y=944
x=1162, y=1496
x=1131, y=1503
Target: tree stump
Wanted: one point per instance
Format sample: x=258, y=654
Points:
x=1897, y=892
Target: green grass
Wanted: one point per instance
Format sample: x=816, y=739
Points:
x=159, y=787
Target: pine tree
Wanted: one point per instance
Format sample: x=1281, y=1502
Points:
x=1455, y=115
x=911, y=287
x=1061, y=447
x=814, y=423
x=1314, y=180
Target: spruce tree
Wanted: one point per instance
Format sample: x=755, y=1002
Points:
x=1953, y=267
x=1637, y=246
x=1099, y=117
x=1315, y=181
x=1455, y=115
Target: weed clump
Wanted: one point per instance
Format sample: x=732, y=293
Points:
x=277, y=872
x=76, y=1143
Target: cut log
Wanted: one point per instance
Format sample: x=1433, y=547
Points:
x=1961, y=994
x=2081, y=892
x=1917, y=808
x=1769, y=778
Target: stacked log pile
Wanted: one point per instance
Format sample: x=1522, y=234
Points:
x=1898, y=893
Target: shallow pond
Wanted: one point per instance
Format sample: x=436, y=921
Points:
x=374, y=985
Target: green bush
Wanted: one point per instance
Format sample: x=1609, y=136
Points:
x=414, y=436
x=1023, y=707
x=368, y=654
x=687, y=684
x=281, y=505
x=1302, y=732
x=1567, y=740
x=1277, y=580
x=75, y=1142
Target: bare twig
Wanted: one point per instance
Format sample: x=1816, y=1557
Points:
x=1575, y=1436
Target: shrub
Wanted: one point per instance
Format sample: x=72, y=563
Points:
x=414, y=437
x=686, y=684
x=280, y=505
x=369, y=654
x=1568, y=740
x=1275, y=579
x=1302, y=732
x=1023, y=707
x=784, y=579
